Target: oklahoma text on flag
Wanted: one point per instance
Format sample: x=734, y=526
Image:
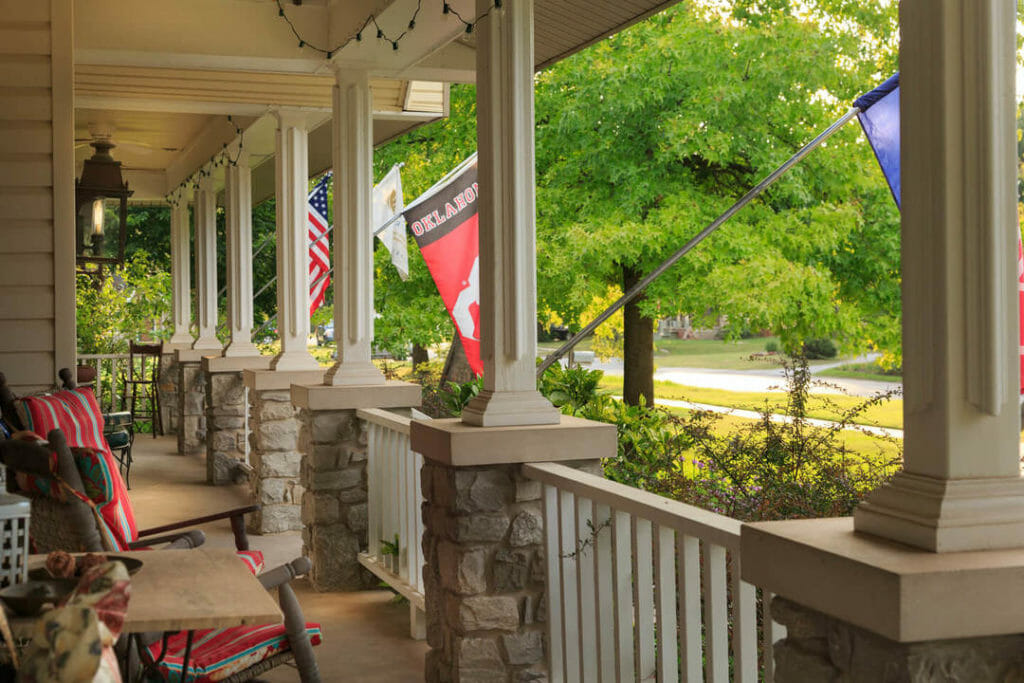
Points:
x=445, y=228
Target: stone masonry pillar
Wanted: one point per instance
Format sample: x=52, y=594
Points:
x=334, y=508
x=483, y=543
x=191, y=404
x=206, y=266
x=228, y=422
x=167, y=386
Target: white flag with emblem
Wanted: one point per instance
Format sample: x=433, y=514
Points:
x=387, y=205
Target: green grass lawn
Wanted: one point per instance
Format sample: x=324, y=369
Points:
x=887, y=414
x=870, y=371
x=714, y=354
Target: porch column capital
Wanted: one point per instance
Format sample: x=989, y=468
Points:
x=206, y=266
x=292, y=180
x=961, y=487
x=508, y=263
x=238, y=217
x=181, y=303
x=353, y=234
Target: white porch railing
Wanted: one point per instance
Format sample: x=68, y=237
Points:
x=394, y=522
x=644, y=588
x=108, y=381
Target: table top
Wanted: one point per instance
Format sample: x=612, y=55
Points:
x=192, y=589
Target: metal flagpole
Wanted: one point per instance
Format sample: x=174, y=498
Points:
x=635, y=290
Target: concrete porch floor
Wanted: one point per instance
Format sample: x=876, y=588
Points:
x=366, y=634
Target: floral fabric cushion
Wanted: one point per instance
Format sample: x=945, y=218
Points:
x=218, y=654
x=77, y=413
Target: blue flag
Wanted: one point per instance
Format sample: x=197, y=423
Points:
x=880, y=117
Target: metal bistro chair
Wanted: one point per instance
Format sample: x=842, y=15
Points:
x=140, y=386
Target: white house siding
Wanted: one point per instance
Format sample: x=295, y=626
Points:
x=37, y=332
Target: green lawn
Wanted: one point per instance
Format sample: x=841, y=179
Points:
x=887, y=414
x=870, y=371
x=696, y=353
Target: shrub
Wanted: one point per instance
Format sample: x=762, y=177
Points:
x=819, y=349
x=771, y=346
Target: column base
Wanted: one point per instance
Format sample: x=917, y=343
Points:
x=391, y=394
x=510, y=408
x=236, y=350
x=354, y=374
x=175, y=343
x=901, y=593
x=946, y=515
x=208, y=344
x=294, y=360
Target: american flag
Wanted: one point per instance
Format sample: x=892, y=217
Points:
x=319, y=250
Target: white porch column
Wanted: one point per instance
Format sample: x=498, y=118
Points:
x=181, y=303
x=238, y=215
x=206, y=266
x=961, y=488
x=353, y=234
x=508, y=264
x=293, y=242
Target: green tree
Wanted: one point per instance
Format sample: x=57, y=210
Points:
x=644, y=138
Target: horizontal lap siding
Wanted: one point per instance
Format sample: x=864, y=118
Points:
x=26, y=196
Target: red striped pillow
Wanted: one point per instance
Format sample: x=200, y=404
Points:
x=77, y=413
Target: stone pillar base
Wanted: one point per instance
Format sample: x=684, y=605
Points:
x=820, y=648
x=167, y=387
x=274, y=455
x=484, y=542
x=332, y=441
x=227, y=423
x=191, y=402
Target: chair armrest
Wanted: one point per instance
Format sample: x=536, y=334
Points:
x=25, y=456
x=187, y=539
x=237, y=517
x=282, y=574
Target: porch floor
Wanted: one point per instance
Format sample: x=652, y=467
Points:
x=366, y=635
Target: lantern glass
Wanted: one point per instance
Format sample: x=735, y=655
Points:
x=100, y=229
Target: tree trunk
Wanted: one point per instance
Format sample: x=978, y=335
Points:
x=419, y=355
x=638, y=373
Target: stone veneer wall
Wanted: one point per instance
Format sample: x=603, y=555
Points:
x=275, y=460
x=226, y=406
x=485, y=573
x=820, y=648
x=334, y=507
x=167, y=387
x=191, y=399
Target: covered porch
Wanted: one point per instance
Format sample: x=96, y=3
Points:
x=529, y=565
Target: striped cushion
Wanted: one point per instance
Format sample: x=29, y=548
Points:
x=77, y=413
x=253, y=560
x=218, y=654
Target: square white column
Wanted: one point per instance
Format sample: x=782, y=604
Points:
x=961, y=487
x=206, y=266
x=292, y=181
x=181, y=302
x=508, y=263
x=353, y=233
x=238, y=218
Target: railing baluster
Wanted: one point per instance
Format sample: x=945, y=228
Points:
x=623, y=583
x=688, y=586
x=408, y=496
x=665, y=603
x=716, y=615
x=556, y=662
x=643, y=596
x=570, y=598
x=416, y=552
x=373, y=483
x=744, y=625
x=585, y=532
x=771, y=633
x=603, y=591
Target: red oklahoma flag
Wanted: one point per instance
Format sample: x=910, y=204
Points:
x=445, y=228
